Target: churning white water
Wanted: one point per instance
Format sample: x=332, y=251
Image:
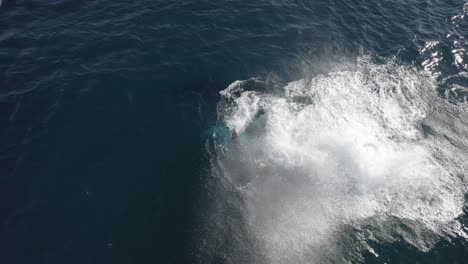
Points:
x=329, y=165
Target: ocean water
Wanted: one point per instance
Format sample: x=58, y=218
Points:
x=233, y=131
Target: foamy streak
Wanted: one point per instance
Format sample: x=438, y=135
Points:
x=340, y=151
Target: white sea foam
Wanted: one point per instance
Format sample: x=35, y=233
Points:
x=334, y=162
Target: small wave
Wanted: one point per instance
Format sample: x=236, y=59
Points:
x=447, y=59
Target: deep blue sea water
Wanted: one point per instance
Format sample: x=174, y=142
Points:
x=109, y=151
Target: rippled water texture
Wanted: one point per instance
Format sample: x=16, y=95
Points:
x=233, y=131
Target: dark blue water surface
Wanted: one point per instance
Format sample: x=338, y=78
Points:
x=104, y=108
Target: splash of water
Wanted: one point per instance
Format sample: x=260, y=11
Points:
x=326, y=165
